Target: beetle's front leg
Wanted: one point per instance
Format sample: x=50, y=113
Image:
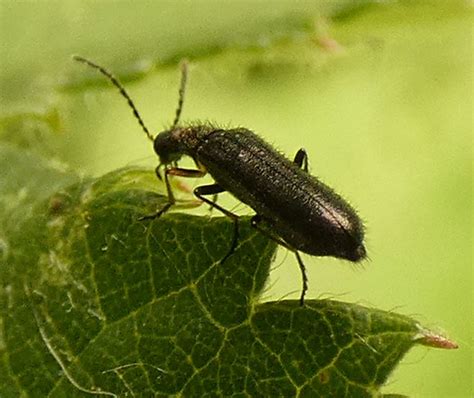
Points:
x=175, y=171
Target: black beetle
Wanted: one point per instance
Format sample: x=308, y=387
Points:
x=292, y=207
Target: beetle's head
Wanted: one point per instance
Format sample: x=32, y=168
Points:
x=168, y=146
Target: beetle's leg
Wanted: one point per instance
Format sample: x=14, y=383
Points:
x=215, y=189
x=157, y=172
x=191, y=173
x=255, y=222
x=301, y=159
x=304, y=277
x=214, y=201
x=214, y=197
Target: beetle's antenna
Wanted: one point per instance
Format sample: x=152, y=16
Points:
x=124, y=94
x=182, y=90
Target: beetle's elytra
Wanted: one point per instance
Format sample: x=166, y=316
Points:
x=292, y=207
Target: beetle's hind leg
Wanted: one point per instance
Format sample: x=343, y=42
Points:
x=304, y=277
x=176, y=171
x=256, y=223
x=215, y=189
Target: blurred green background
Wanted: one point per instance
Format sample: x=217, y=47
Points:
x=378, y=92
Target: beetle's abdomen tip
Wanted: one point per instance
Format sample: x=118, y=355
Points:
x=359, y=253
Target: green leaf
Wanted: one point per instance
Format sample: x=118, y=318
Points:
x=95, y=301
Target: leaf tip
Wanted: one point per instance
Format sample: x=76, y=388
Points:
x=432, y=339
